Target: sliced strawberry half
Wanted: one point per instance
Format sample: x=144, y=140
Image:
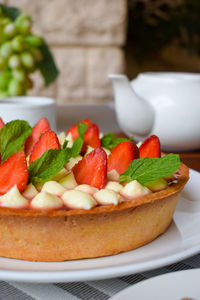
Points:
x=150, y=147
x=1, y=123
x=41, y=126
x=91, y=138
x=13, y=171
x=92, y=169
x=74, y=129
x=47, y=141
x=121, y=156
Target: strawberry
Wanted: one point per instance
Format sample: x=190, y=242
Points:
x=1, y=123
x=47, y=141
x=74, y=129
x=13, y=171
x=92, y=169
x=41, y=126
x=91, y=138
x=121, y=156
x=150, y=147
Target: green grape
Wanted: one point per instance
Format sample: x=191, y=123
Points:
x=37, y=54
x=6, y=50
x=15, y=88
x=14, y=61
x=4, y=80
x=33, y=40
x=18, y=43
x=23, y=24
x=19, y=75
x=9, y=30
x=27, y=60
x=4, y=94
x=4, y=21
x=3, y=63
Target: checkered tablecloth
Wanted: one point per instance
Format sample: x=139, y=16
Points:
x=88, y=290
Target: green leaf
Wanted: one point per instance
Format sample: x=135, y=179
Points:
x=65, y=144
x=13, y=136
x=48, y=165
x=47, y=65
x=11, y=12
x=110, y=140
x=147, y=169
x=78, y=143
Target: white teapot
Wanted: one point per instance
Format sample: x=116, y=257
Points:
x=163, y=103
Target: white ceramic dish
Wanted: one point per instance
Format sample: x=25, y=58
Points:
x=28, y=108
x=185, y=285
x=181, y=240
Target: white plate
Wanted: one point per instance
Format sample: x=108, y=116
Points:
x=173, y=286
x=180, y=241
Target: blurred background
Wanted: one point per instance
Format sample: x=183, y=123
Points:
x=90, y=39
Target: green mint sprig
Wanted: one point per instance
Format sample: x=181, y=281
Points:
x=12, y=137
x=52, y=161
x=48, y=165
x=147, y=169
x=78, y=143
x=110, y=140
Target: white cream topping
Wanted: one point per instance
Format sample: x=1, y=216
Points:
x=105, y=197
x=70, y=140
x=72, y=162
x=30, y=191
x=134, y=189
x=106, y=150
x=78, y=200
x=13, y=198
x=69, y=181
x=89, y=149
x=114, y=185
x=61, y=137
x=113, y=175
x=53, y=187
x=46, y=200
x=86, y=188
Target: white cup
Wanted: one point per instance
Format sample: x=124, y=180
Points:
x=28, y=108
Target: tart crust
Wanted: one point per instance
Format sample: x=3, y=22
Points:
x=58, y=235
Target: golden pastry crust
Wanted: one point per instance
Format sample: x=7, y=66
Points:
x=58, y=235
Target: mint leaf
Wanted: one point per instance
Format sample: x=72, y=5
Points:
x=48, y=165
x=65, y=144
x=53, y=160
x=147, y=169
x=110, y=140
x=13, y=136
x=47, y=66
x=78, y=143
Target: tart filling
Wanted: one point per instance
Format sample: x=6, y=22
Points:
x=92, y=172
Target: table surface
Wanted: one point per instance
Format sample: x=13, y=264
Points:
x=101, y=289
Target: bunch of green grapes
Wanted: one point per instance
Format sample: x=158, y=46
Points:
x=19, y=54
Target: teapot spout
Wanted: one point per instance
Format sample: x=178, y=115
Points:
x=134, y=114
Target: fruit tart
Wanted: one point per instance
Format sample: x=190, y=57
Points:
x=82, y=194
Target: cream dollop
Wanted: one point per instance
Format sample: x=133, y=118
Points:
x=78, y=200
x=13, y=198
x=134, y=189
x=106, y=197
x=53, y=187
x=45, y=200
